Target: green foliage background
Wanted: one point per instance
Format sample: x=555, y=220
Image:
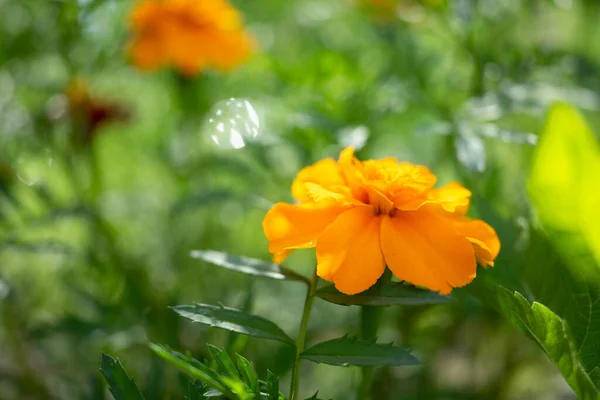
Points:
x=95, y=242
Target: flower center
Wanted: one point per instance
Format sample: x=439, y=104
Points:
x=380, y=202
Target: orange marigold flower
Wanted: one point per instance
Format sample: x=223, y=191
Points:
x=363, y=215
x=190, y=35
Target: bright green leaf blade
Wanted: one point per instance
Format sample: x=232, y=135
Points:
x=233, y=320
x=542, y=325
x=237, y=386
x=226, y=365
x=565, y=176
x=563, y=186
x=248, y=374
x=387, y=294
x=191, y=367
x=571, y=290
x=120, y=384
x=272, y=386
x=248, y=266
x=346, y=351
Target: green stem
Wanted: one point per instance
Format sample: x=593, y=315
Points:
x=370, y=318
x=310, y=296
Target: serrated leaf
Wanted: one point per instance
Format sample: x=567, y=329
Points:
x=120, y=384
x=248, y=374
x=248, y=266
x=225, y=363
x=272, y=386
x=233, y=320
x=346, y=351
x=192, y=367
x=547, y=329
x=387, y=294
x=564, y=188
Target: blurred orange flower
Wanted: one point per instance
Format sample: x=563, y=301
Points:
x=190, y=35
x=363, y=215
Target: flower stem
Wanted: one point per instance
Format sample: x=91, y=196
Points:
x=310, y=296
x=369, y=324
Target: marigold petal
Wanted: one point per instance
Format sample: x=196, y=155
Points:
x=453, y=198
x=339, y=194
x=144, y=14
x=325, y=173
x=422, y=248
x=146, y=53
x=290, y=226
x=229, y=49
x=280, y=256
x=483, y=237
x=189, y=35
x=185, y=50
x=349, y=251
x=352, y=172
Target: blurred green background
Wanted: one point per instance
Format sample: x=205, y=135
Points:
x=95, y=236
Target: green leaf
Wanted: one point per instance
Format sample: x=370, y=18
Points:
x=121, y=385
x=542, y=325
x=233, y=320
x=237, y=386
x=248, y=266
x=565, y=176
x=225, y=363
x=248, y=374
x=192, y=367
x=272, y=386
x=563, y=187
x=386, y=294
x=346, y=351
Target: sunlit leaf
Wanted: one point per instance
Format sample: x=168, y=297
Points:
x=120, y=384
x=548, y=330
x=346, y=351
x=387, y=294
x=563, y=186
x=248, y=266
x=565, y=177
x=233, y=320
